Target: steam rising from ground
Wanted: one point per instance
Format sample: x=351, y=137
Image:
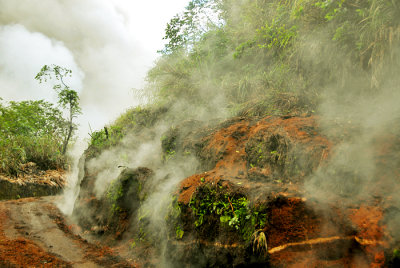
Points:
x=107, y=63
x=74, y=177
x=133, y=152
x=109, y=45
x=357, y=113
x=362, y=118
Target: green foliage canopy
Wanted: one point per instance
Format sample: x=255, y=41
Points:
x=30, y=118
x=186, y=28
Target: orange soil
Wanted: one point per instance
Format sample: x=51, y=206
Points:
x=367, y=219
x=231, y=146
x=22, y=252
x=291, y=221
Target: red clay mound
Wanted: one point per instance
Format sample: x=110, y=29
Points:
x=266, y=161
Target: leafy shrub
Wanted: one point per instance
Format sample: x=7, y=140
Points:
x=30, y=131
x=233, y=211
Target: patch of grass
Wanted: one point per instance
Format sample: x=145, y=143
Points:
x=133, y=120
x=259, y=242
x=179, y=233
x=287, y=53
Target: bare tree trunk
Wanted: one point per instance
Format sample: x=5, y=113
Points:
x=71, y=128
x=67, y=139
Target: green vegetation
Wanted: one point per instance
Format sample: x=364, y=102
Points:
x=257, y=58
x=132, y=121
x=31, y=131
x=67, y=97
x=168, y=144
x=272, y=150
x=36, y=131
x=275, y=57
x=393, y=258
x=173, y=218
x=115, y=193
x=231, y=210
x=179, y=232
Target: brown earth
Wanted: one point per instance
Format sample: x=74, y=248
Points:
x=300, y=232
x=32, y=182
x=263, y=160
x=33, y=233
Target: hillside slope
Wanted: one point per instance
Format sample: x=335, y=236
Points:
x=251, y=200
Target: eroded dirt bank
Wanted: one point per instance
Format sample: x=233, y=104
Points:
x=32, y=182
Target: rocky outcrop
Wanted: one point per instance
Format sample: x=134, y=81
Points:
x=247, y=205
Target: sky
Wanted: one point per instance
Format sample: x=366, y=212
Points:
x=108, y=44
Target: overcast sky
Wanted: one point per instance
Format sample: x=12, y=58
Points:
x=109, y=45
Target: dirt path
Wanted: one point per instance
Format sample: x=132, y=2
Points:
x=33, y=233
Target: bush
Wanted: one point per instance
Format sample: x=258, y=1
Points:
x=30, y=131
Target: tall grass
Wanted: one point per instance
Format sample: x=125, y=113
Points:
x=19, y=149
x=260, y=52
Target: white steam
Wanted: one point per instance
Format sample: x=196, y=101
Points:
x=22, y=54
x=108, y=44
x=112, y=42
x=74, y=178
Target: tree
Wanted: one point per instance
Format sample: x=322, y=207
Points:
x=186, y=28
x=31, y=118
x=67, y=97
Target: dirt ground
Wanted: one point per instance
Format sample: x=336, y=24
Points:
x=34, y=233
x=259, y=160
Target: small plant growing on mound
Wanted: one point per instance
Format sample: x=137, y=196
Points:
x=231, y=211
x=259, y=241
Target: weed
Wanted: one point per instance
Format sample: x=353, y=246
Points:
x=259, y=242
x=179, y=233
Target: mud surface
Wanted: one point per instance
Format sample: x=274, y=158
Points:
x=33, y=233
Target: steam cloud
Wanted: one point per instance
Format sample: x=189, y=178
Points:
x=362, y=117
x=109, y=45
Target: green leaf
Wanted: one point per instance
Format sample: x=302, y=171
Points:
x=224, y=219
